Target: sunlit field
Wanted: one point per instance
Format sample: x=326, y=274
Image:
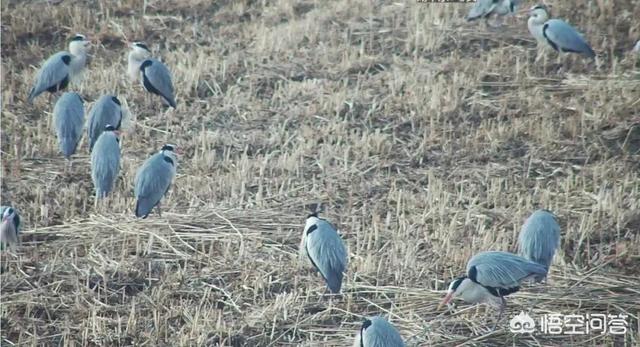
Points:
x=425, y=139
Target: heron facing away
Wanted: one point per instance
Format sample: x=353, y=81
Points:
x=153, y=74
x=68, y=118
x=378, y=332
x=556, y=33
x=105, y=162
x=61, y=68
x=326, y=251
x=490, y=277
x=487, y=8
x=106, y=111
x=10, y=227
x=153, y=180
x=539, y=238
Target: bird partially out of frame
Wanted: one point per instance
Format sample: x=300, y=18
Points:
x=10, y=227
x=378, y=332
x=492, y=8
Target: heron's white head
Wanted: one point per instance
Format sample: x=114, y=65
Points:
x=456, y=288
x=8, y=214
x=139, y=51
x=539, y=14
x=112, y=129
x=79, y=45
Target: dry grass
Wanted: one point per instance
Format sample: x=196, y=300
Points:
x=426, y=139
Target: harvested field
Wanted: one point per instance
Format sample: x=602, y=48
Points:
x=424, y=138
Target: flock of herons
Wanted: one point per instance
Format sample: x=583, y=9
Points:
x=490, y=276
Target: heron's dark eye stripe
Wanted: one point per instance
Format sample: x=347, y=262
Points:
x=167, y=148
x=109, y=127
x=78, y=38
x=143, y=46
x=311, y=229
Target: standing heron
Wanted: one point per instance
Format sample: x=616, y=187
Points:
x=561, y=36
x=378, y=332
x=68, y=118
x=105, y=162
x=10, y=227
x=487, y=8
x=326, y=251
x=154, y=179
x=153, y=74
x=107, y=110
x=539, y=238
x=60, y=68
x=490, y=277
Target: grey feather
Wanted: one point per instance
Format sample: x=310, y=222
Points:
x=104, y=112
x=328, y=253
x=565, y=38
x=539, y=238
x=378, y=332
x=16, y=219
x=105, y=163
x=153, y=180
x=503, y=269
x=68, y=118
x=53, y=72
x=486, y=8
x=160, y=78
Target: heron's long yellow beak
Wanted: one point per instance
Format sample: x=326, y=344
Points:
x=447, y=299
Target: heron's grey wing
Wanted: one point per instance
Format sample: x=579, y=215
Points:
x=480, y=9
x=539, y=238
x=381, y=333
x=158, y=75
x=103, y=112
x=328, y=253
x=501, y=269
x=52, y=73
x=563, y=37
x=68, y=115
x=152, y=182
x=105, y=163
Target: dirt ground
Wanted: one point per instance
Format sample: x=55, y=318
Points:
x=424, y=138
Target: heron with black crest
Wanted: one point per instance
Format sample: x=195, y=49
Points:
x=154, y=179
x=152, y=73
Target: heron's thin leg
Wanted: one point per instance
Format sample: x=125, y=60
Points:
x=503, y=305
x=159, y=210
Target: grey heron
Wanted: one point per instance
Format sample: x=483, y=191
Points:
x=61, y=68
x=153, y=180
x=561, y=36
x=105, y=161
x=487, y=8
x=539, y=238
x=153, y=74
x=326, y=250
x=490, y=277
x=68, y=118
x=378, y=332
x=107, y=110
x=10, y=226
